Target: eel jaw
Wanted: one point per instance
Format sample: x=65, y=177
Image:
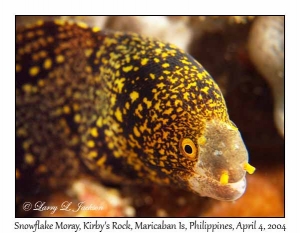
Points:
x=206, y=186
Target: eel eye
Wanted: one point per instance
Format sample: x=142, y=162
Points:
x=188, y=148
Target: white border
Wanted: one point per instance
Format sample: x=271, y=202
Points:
x=7, y=83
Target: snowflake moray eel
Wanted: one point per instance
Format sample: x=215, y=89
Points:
x=123, y=107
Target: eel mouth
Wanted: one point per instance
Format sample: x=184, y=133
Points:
x=205, y=184
x=210, y=187
x=238, y=187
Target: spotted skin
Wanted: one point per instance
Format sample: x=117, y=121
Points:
x=117, y=105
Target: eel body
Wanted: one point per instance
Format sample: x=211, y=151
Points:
x=123, y=107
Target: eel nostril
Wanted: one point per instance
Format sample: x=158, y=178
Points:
x=224, y=177
x=248, y=168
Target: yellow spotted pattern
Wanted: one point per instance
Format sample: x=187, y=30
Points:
x=118, y=103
